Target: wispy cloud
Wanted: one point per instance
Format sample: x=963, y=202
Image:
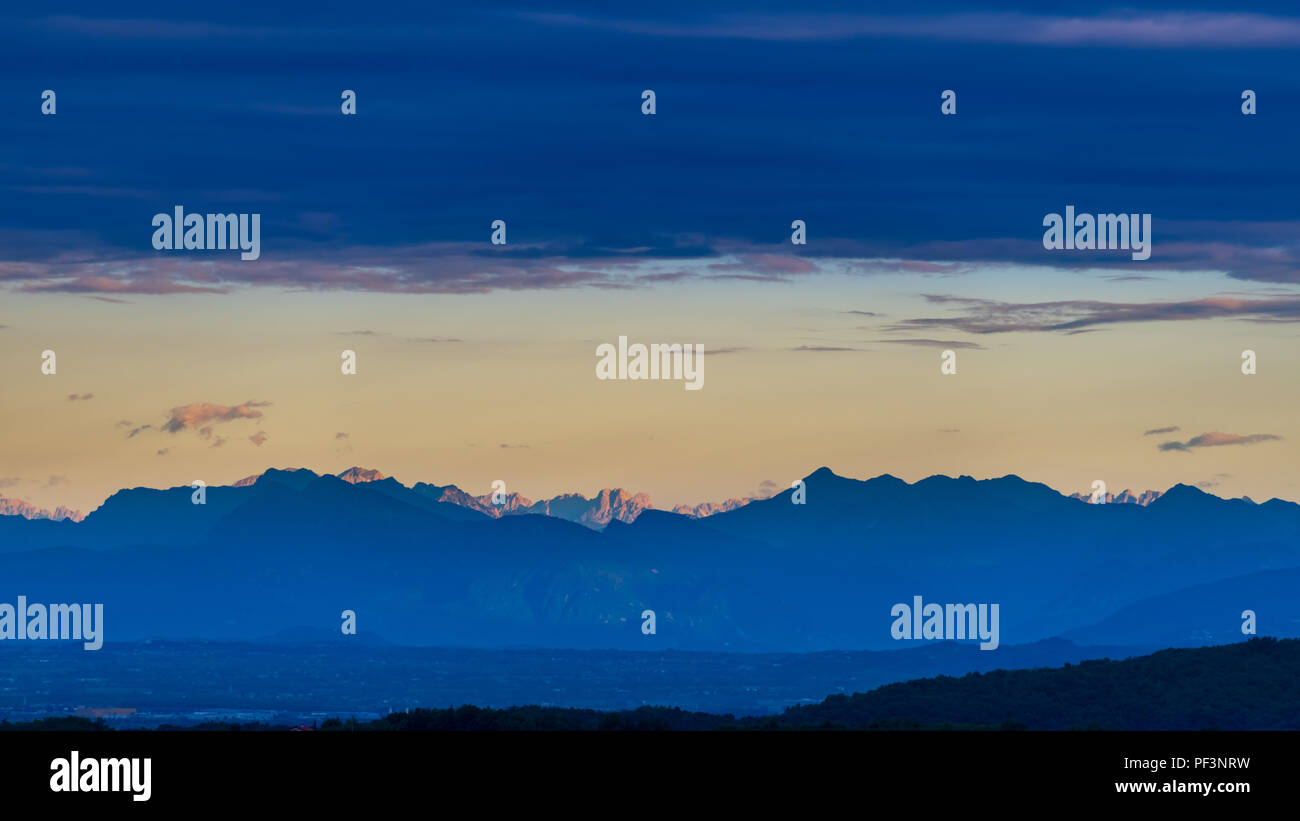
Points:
x=1168, y=30
x=1254, y=251
x=986, y=316
x=1154, y=431
x=1118, y=29
x=932, y=343
x=343, y=443
x=1217, y=439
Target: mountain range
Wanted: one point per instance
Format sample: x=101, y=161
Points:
x=596, y=512
x=429, y=564
x=606, y=506
x=1126, y=497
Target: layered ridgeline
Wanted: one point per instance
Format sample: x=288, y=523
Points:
x=606, y=506
x=292, y=549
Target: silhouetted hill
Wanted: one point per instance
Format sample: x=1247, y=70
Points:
x=1246, y=686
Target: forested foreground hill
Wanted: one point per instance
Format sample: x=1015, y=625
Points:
x=1253, y=685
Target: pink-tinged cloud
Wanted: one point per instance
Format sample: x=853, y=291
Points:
x=1218, y=439
x=201, y=416
x=80, y=397
x=446, y=268
x=774, y=264
x=1251, y=251
x=258, y=438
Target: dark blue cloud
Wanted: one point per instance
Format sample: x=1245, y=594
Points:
x=764, y=115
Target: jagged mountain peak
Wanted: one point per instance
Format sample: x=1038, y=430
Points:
x=17, y=507
x=356, y=475
x=269, y=473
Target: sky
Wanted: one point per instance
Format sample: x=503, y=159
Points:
x=476, y=362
